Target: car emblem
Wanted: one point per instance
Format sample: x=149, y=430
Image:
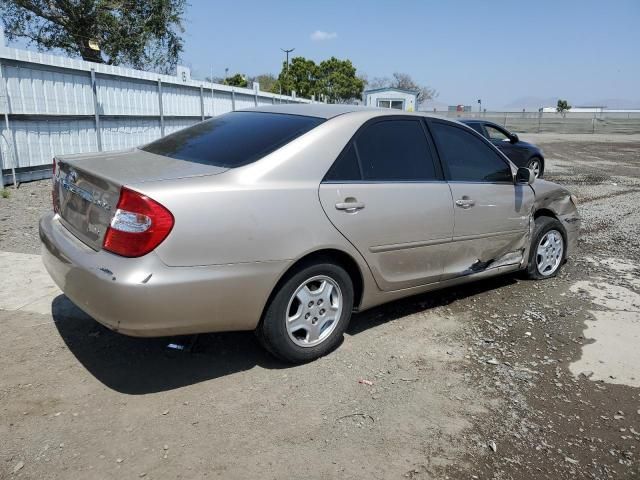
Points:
x=69, y=184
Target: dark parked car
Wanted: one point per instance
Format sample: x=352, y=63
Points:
x=521, y=153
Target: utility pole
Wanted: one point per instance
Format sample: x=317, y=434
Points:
x=287, y=52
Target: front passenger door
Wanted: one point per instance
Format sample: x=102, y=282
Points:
x=491, y=212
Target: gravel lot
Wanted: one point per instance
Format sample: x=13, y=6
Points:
x=500, y=379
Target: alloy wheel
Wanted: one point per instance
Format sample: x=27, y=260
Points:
x=549, y=252
x=313, y=311
x=535, y=166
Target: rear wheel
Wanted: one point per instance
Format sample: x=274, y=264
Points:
x=548, y=249
x=308, y=314
x=535, y=164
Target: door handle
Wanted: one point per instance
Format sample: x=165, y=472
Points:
x=350, y=207
x=465, y=202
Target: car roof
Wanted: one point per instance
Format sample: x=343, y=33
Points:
x=320, y=110
x=327, y=111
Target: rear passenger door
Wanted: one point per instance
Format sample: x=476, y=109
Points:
x=387, y=195
x=491, y=212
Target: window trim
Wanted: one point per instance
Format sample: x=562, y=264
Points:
x=445, y=167
x=437, y=164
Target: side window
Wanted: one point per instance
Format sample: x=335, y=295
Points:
x=477, y=127
x=468, y=158
x=395, y=150
x=345, y=167
x=495, y=134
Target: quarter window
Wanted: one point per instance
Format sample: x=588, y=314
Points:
x=467, y=157
x=395, y=150
x=346, y=167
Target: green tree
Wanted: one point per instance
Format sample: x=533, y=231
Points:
x=338, y=80
x=301, y=76
x=141, y=34
x=563, y=107
x=237, y=80
x=406, y=82
x=334, y=78
x=266, y=81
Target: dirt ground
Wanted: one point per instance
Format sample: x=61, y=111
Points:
x=500, y=379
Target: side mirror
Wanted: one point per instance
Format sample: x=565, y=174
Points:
x=514, y=138
x=524, y=176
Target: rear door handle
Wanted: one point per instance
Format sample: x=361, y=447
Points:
x=350, y=207
x=465, y=203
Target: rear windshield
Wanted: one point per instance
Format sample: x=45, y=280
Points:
x=233, y=139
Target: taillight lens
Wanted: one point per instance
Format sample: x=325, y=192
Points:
x=139, y=225
x=54, y=189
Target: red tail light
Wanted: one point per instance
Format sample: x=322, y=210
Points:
x=139, y=225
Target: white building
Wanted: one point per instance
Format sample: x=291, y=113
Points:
x=389, y=97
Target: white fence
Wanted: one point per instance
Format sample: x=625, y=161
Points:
x=51, y=105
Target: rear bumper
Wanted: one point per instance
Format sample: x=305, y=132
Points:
x=144, y=297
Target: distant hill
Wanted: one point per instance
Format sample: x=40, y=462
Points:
x=530, y=104
x=614, y=103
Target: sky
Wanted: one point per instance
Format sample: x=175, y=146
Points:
x=510, y=54
x=499, y=51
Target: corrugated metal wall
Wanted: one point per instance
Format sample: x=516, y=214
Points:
x=50, y=107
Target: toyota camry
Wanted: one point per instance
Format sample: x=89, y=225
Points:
x=286, y=219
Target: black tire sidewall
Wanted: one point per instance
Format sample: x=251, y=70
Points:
x=542, y=226
x=273, y=331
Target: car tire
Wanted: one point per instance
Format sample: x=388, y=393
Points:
x=548, y=249
x=537, y=165
x=298, y=331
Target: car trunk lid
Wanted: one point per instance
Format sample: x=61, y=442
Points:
x=86, y=188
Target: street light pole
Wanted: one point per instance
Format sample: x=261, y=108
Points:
x=287, y=52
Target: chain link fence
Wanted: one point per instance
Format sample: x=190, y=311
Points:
x=570, y=122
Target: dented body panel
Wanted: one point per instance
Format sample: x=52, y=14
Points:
x=495, y=229
x=551, y=197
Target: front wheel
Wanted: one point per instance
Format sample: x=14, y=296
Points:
x=548, y=249
x=535, y=164
x=308, y=314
